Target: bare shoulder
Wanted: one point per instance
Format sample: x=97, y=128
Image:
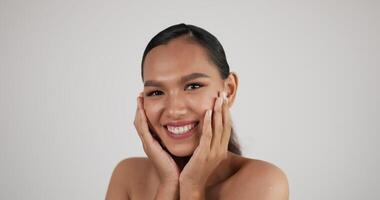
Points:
x=258, y=179
x=126, y=172
x=132, y=166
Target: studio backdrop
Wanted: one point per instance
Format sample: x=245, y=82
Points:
x=308, y=96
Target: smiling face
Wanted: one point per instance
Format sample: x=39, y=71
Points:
x=180, y=84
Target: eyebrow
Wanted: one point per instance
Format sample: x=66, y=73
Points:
x=186, y=78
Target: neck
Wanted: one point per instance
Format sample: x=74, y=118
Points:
x=181, y=161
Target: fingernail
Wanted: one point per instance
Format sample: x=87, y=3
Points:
x=220, y=101
x=209, y=112
x=224, y=95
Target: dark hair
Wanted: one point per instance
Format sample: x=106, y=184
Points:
x=213, y=48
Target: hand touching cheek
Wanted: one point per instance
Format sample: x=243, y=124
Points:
x=211, y=151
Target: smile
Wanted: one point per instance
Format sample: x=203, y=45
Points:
x=181, y=131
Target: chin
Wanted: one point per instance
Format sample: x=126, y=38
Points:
x=182, y=150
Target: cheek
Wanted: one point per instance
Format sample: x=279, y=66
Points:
x=152, y=110
x=202, y=102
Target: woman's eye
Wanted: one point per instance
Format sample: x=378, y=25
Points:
x=193, y=86
x=155, y=93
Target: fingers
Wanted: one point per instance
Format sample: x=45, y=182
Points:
x=142, y=125
x=217, y=123
x=206, y=137
x=137, y=120
x=216, y=129
x=226, y=124
x=143, y=122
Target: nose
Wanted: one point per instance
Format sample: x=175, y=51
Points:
x=175, y=106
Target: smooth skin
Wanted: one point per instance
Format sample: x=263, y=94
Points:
x=182, y=84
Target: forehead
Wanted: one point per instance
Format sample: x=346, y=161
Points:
x=177, y=58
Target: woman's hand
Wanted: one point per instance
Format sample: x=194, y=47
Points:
x=162, y=161
x=211, y=151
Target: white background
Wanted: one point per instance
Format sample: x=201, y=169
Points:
x=308, y=99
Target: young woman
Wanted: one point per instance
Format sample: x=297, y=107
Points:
x=184, y=123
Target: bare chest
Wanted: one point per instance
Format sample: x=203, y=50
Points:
x=147, y=189
x=144, y=189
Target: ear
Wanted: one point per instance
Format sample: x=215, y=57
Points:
x=230, y=87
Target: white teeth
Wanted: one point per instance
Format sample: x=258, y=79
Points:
x=180, y=130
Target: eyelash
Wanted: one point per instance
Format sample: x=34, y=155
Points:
x=154, y=93
x=194, y=84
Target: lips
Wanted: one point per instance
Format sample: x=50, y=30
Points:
x=181, y=130
x=178, y=130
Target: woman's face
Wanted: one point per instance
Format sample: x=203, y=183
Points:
x=180, y=84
